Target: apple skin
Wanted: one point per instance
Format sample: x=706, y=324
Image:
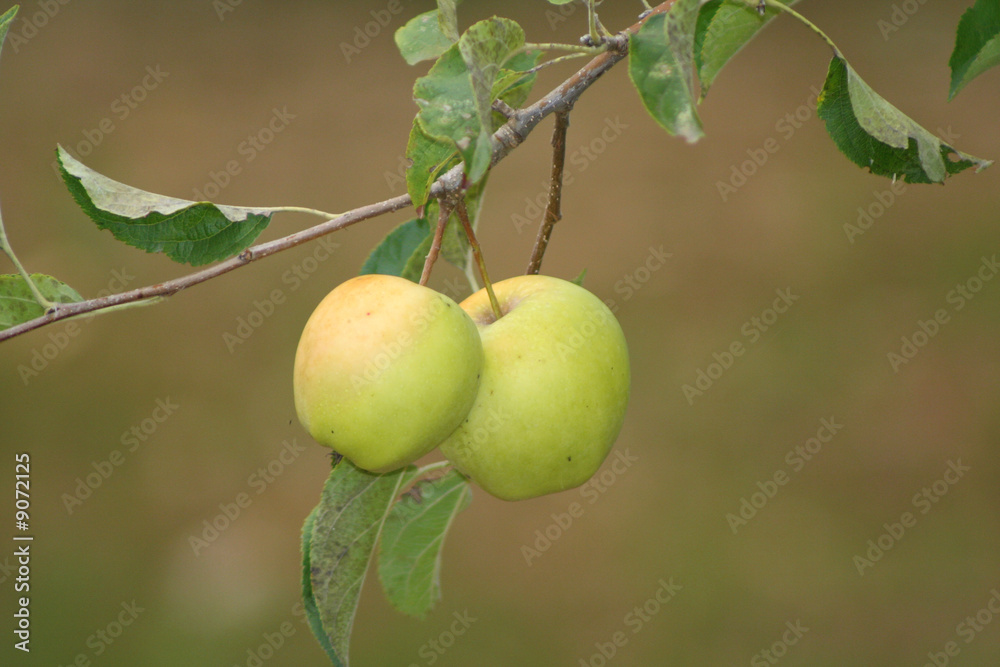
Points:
x=554, y=390
x=385, y=370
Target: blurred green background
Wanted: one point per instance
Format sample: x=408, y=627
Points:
x=635, y=192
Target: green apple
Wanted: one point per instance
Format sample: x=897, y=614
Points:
x=554, y=389
x=385, y=370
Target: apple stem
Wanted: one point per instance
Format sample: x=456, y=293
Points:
x=553, y=211
x=477, y=252
x=432, y=254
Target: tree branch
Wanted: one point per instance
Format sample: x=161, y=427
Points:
x=553, y=211
x=63, y=311
x=506, y=139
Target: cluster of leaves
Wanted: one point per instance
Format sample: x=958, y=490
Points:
x=341, y=534
x=675, y=56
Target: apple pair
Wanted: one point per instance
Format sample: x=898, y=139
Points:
x=525, y=405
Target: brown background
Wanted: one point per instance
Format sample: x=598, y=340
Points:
x=663, y=518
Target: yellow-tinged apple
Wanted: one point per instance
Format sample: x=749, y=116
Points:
x=553, y=393
x=385, y=370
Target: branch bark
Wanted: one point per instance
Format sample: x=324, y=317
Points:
x=512, y=134
x=553, y=211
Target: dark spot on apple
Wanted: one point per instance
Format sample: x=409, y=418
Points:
x=569, y=458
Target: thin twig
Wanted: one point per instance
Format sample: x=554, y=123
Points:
x=504, y=108
x=62, y=311
x=553, y=211
x=445, y=209
x=506, y=139
x=477, y=252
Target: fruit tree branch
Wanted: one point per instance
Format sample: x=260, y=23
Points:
x=510, y=135
x=553, y=211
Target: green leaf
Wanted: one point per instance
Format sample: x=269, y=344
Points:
x=412, y=540
x=5, y=20
x=190, y=232
x=977, y=44
x=308, y=600
x=392, y=256
x=661, y=68
x=448, y=111
x=580, y=278
x=17, y=303
x=485, y=47
x=512, y=85
x=448, y=18
x=874, y=134
x=724, y=28
x=456, y=96
x=345, y=530
x=422, y=38
x=429, y=158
